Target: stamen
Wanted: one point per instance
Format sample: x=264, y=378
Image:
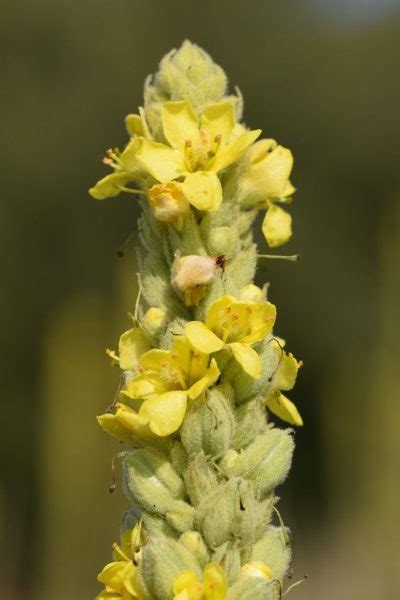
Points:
x=118, y=550
x=292, y=257
x=123, y=188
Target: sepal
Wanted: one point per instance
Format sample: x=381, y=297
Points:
x=209, y=424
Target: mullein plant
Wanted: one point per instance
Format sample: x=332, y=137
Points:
x=203, y=376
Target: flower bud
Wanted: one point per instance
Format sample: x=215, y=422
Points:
x=163, y=560
x=272, y=549
x=216, y=514
x=222, y=240
x=266, y=173
x=228, y=557
x=193, y=542
x=209, y=424
x=200, y=478
x=151, y=481
x=256, y=568
x=252, y=293
x=153, y=322
x=266, y=461
x=255, y=587
x=168, y=202
x=250, y=419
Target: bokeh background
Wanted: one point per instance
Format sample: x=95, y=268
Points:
x=322, y=78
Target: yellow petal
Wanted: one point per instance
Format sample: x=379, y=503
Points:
x=162, y=162
x=128, y=156
x=114, y=574
x=203, y=190
x=134, y=125
x=109, y=423
x=215, y=583
x=179, y=122
x=155, y=360
x=184, y=580
x=277, y=226
x=276, y=171
x=252, y=293
x=164, y=412
x=131, y=421
x=201, y=338
x=230, y=153
x=218, y=119
x=247, y=358
x=144, y=385
x=126, y=543
x=104, y=595
x=191, y=362
x=285, y=377
x=132, y=344
x=260, y=318
x=209, y=378
x=217, y=311
x=109, y=186
x=256, y=568
x=284, y=408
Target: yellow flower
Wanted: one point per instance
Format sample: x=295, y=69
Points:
x=284, y=379
x=236, y=325
x=265, y=181
x=168, y=202
x=168, y=380
x=118, y=576
x=125, y=165
x=196, y=150
x=214, y=586
x=126, y=169
x=256, y=568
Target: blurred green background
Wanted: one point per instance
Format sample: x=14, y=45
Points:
x=322, y=78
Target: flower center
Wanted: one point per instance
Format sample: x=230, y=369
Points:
x=200, y=151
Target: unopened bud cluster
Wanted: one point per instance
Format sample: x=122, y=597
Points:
x=204, y=376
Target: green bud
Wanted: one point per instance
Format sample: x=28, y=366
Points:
x=193, y=542
x=153, y=323
x=157, y=526
x=179, y=457
x=255, y=587
x=232, y=511
x=162, y=561
x=228, y=557
x=222, y=240
x=274, y=550
x=250, y=420
x=200, y=478
x=180, y=516
x=154, y=485
x=215, y=515
x=209, y=424
x=251, y=515
x=246, y=387
x=266, y=461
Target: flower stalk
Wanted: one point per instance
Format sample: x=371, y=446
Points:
x=202, y=373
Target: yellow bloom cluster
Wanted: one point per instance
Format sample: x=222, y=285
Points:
x=195, y=152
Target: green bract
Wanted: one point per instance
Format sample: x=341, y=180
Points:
x=202, y=373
